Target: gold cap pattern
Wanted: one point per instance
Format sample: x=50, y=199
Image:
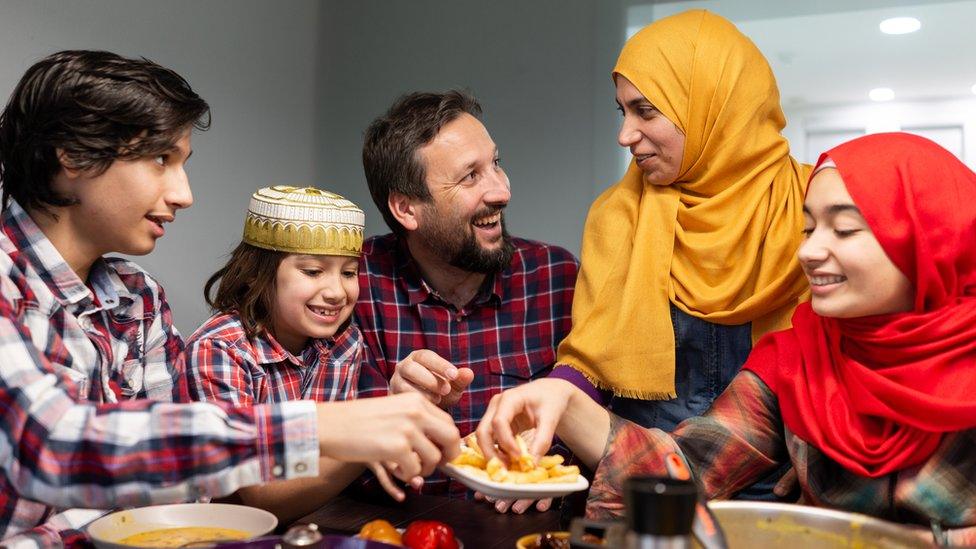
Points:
x=304, y=220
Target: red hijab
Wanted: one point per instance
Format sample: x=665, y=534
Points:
x=877, y=393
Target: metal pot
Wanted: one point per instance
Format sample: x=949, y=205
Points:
x=755, y=524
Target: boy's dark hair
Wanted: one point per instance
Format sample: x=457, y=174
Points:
x=94, y=107
x=390, y=146
x=246, y=286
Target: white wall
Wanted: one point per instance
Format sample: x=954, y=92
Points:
x=541, y=70
x=252, y=60
x=958, y=116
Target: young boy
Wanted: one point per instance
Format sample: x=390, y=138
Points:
x=281, y=328
x=92, y=154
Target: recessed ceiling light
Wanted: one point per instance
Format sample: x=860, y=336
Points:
x=881, y=94
x=900, y=25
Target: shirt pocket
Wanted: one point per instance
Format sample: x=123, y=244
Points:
x=513, y=369
x=56, y=346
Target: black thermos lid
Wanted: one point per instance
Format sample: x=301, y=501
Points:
x=659, y=506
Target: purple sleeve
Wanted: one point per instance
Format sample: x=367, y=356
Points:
x=574, y=376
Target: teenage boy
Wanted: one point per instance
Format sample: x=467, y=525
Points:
x=92, y=154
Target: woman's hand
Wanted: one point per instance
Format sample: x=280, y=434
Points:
x=537, y=405
x=551, y=406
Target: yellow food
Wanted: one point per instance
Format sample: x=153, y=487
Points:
x=522, y=470
x=381, y=530
x=177, y=537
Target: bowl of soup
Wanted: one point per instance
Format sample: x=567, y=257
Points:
x=180, y=525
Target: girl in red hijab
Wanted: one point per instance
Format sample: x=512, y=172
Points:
x=870, y=396
x=874, y=379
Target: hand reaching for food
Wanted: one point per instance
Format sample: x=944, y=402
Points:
x=524, y=469
x=549, y=406
x=406, y=433
x=425, y=372
x=538, y=405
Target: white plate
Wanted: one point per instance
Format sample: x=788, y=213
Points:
x=507, y=490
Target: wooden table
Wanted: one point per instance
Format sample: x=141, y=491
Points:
x=475, y=523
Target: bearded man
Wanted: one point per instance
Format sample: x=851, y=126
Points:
x=451, y=306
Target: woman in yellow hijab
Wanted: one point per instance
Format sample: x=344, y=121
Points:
x=692, y=255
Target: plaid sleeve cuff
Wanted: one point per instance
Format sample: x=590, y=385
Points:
x=40, y=537
x=631, y=450
x=288, y=444
x=65, y=529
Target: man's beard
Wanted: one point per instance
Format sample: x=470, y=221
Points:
x=461, y=249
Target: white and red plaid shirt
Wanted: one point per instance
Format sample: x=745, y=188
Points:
x=223, y=364
x=76, y=366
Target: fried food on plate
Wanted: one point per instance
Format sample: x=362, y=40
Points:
x=522, y=470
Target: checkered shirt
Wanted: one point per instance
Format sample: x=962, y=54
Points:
x=77, y=366
x=222, y=363
x=507, y=335
x=742, y=438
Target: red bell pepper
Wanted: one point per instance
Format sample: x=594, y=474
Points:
x=429, y=534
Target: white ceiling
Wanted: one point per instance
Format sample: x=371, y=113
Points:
x=832, y=52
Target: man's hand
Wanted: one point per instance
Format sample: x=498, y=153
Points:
x=425, y=372
x=406, y=433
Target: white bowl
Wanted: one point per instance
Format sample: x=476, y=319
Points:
x=108, y=530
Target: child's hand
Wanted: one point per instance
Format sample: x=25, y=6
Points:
x=383, y=472
x=425, y=372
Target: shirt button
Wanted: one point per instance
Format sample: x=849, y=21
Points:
x=300, y=467
x=277, y=471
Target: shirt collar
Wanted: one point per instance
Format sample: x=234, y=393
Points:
x=416, y=287
x=268, y=351
x=418, y=291
x=108, y=287
x=54, y=271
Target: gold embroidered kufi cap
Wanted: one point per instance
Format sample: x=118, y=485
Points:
x=304, y=220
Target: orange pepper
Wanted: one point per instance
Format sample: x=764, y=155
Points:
x=381, y=530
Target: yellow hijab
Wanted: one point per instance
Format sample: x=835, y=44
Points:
x=720, y=243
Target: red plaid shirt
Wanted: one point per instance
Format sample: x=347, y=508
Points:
x=77, y=365
x=508, y=334
x=222, y=363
